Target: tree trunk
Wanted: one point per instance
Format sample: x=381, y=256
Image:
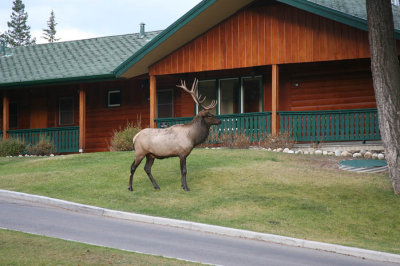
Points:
x=386, y=77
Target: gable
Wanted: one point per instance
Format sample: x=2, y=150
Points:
x=265, y=34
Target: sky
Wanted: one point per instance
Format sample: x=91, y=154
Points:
x=83, y=19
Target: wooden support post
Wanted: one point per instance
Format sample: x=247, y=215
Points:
x=6, y=115
x=275, y=100
x=82, y=119
x=153, y=100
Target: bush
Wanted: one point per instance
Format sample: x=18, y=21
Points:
x=11, y=147
x=122, y=138
x=235, y=141
x=43, y=147
x=282, y=140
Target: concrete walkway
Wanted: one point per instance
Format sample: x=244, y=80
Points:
x=356, y=252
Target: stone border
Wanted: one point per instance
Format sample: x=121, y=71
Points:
x=219, y=230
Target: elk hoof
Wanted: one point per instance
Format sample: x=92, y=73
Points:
x=130, y=188
x=186, y=189
x=157, y=187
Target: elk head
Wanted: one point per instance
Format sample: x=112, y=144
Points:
x=204, y=114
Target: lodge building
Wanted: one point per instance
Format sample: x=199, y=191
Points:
x=297, y=66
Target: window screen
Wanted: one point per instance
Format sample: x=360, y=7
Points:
x=13, y=115
x=66, y=109
x=165, y=104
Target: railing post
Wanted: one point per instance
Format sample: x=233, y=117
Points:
x=153, y=100
x=6, y=114
x=275, y=98
x=82, y=119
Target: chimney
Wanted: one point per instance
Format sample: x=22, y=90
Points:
x=142, y=31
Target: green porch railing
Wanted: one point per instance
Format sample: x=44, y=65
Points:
x=340, y=125
x=254, y=125
x=66, y=139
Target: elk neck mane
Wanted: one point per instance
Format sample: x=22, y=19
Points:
x=198, y=129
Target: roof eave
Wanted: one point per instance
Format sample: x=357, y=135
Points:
x=333, y=14
x=58, y=81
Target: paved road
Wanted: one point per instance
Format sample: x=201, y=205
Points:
x=159, y=240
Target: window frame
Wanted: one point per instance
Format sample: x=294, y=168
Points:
x=240, y=92
x=239, y=79
x=172, y=102
x=109, y=92
x=262, y=88
x=15, y=115
x=59, y=111
x=196, y=106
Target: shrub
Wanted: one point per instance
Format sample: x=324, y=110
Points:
x=235, y=141
x=282, y=140
x=212, y=139
x=43, y=147
x=122, y=138
x=11, y=147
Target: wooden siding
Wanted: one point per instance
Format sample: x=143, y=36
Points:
x=327, y=86
x=264, y=35
x=26, y=99
x=102, y=121
x=332, y=85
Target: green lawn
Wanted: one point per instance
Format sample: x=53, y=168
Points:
x=25, y=249
x=299, y=196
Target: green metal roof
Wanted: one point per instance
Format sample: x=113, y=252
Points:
x=350, y=12
x=90, y=59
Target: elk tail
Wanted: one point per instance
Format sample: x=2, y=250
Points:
x=134, y=139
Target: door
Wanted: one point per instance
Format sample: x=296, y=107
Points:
x=39, y=113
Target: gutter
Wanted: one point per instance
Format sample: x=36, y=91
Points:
x=24, y=84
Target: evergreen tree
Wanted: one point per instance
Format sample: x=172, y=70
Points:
x=18, y=33
x=49, y=34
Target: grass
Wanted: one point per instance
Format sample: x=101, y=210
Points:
x=18, y=248
x=298, y=196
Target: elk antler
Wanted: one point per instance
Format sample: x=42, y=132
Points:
x=196, y=98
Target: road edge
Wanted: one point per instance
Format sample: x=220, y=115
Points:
x=214, y=229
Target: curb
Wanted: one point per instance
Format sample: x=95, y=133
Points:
x=219, y=230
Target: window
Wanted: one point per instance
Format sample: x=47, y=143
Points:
x=229, y=96
x=395, y=2
x=252, y=94
x=114, y=98
x=234, y=95
x=165, y=103
x=208, y=89
x=13, y=115
x=66, y=111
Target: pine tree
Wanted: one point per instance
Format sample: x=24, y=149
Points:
x=18, y=33
x=49, y=34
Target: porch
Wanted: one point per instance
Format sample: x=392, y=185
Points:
x=306, y=126
x=65, y=139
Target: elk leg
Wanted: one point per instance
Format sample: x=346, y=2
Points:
x=183, y=171
x=135, y=164
x=147, y=169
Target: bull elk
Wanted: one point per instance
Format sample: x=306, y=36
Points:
x=175, y=141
